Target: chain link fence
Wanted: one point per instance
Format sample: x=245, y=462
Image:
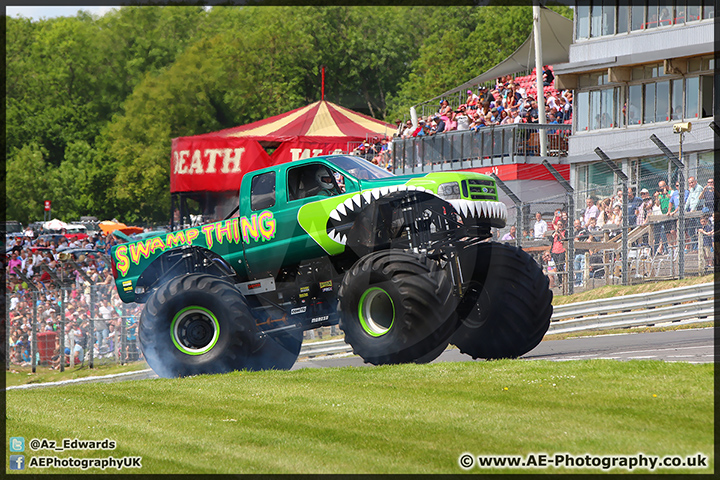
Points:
x=62, y=324
x=654, y=235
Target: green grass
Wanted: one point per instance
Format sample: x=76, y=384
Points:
x=391, y=419
x=609, y=291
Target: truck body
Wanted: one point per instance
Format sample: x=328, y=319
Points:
x=300, y=227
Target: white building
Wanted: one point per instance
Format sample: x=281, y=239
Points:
x=636, y=71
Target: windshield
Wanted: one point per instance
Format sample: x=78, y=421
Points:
x=360, y=168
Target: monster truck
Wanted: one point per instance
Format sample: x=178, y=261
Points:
x=402, y=263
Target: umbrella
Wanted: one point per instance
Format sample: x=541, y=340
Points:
x=55, y=224
x=131, y=230
x=107, y=226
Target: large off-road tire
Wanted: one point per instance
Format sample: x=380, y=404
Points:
x=506, y=308
x=196, y=324
x=397, y=307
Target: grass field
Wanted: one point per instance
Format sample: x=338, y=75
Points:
x=391, y=419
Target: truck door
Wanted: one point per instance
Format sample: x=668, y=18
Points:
x=289, y=243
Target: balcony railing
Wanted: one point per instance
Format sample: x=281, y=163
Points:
x=486, y=147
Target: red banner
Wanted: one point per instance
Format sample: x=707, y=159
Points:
x=524, y=171
x=299, y=149
x=213, y=164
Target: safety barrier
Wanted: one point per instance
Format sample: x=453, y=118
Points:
x=693, y=303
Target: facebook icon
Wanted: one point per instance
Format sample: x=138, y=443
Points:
x=17, y=462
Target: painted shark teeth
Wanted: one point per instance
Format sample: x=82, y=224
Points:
x=342, y=216
x=475, y=209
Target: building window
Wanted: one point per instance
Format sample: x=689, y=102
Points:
x=634, y=104
x=679, y=14
x=582, y=22
x=607, y=107
x=709, y=9
x=706, y=95
x=693, y=13
x=597, y=109
x=662, y=101
x=652, y=170
x=652, y=16
x=623, y=14
x=598, y=18
x=637, y=17
x=677, y=98
x=649, y=103
x=666, y=16
x=692, y=97
x=608, y=17
x=581, y=111
x=595, y=20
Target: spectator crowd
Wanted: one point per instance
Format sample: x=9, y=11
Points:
x=93, y=315
x=659, y=211
x=511, y=100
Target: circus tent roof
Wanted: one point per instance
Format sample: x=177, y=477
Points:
x=319, y=120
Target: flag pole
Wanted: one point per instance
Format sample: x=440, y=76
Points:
x=322, y=87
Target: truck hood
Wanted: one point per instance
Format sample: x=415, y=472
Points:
x=327, y=219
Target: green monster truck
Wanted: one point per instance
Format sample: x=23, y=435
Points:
x=402, y=263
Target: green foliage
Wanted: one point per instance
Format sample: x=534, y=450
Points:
x=99, y=99
x=26, y=184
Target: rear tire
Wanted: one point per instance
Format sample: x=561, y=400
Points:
x=198, y=324
x=506, y=308
x=397, y=307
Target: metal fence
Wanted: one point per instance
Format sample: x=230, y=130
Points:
x=657, y=247
x=63, y=327
x=487, y=146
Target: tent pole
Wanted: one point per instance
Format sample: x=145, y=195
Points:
x=538, y=77
x=172, y=212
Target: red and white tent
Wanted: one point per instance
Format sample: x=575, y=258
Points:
x=217, y=161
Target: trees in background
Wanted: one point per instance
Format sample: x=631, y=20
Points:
x=92, y=103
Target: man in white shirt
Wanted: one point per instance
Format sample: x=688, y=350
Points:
x=540, y=226
x=590, y=212
x=692, y=199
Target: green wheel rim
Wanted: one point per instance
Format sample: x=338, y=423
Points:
x=376, y=311
x=194, y=330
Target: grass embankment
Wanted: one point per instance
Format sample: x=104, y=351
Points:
x=390, y=419
x=610, y=291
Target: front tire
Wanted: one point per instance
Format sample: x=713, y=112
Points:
x=506, y=308
x=197, y=324
x=397, y=307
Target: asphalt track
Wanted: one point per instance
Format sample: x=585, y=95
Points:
x=692, y=346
